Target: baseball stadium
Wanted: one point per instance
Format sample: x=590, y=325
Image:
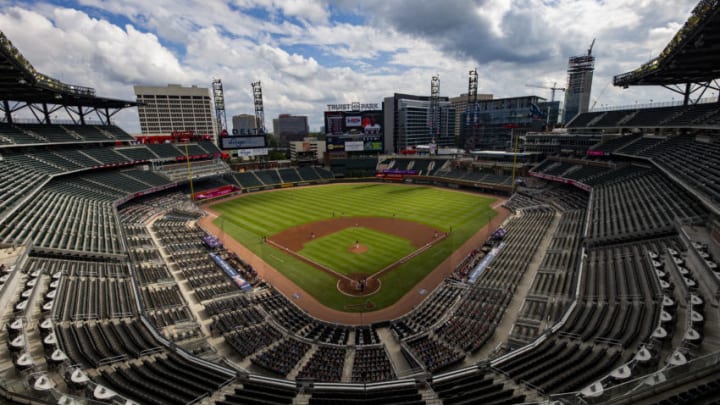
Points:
x=570, y=268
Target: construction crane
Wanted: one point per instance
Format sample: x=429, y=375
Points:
x=553, y=88
x=591, y=47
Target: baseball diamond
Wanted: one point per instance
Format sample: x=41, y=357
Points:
x=309, y=235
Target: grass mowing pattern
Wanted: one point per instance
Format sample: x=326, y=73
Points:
x=250, y=217
x=332, y=250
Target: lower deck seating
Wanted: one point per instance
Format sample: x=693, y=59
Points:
x=390, y=395
x=326, y=364
x=372, y=364
x=169, y=380
x=281, y=359
x=639, y=207
x=478, y=387
x=559, y=366
x=260, y=393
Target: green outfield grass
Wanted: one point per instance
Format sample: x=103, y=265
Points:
x=252, y=216
x=332, y=250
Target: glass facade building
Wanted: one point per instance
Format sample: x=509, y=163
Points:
x=408, y=123
x=492, y=124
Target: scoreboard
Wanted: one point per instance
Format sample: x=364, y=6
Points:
x=354, y=131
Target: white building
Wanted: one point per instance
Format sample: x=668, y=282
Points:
x=243, y=124
x=307, y=150
x=163, y=110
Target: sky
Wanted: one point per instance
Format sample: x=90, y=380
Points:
x=310, y=53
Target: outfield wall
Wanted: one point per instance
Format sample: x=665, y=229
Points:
x=485, y=188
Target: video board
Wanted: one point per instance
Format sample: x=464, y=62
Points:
x=354, y=131
x=242, y=142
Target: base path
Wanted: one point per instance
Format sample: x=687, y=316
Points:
x=316, y=309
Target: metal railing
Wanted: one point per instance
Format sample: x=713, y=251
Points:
x=650, y=104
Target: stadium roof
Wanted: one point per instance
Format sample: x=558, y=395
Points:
x=19, y=81
x=692, y=56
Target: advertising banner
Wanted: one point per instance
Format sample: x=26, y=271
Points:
x=243, y=142
x=353, y=121
x=354, y=131
x=354, y=146
x=252, y=152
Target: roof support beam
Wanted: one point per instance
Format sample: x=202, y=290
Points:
x=46, y=113
x=6, y=108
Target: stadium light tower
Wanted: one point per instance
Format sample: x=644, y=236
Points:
x=434, y=113
x=472, y=108
x=259, y=110
x=219, y=98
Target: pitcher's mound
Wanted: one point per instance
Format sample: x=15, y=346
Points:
x=357, y=248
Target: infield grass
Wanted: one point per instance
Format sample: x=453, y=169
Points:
x=250, y=217
x=333, y=250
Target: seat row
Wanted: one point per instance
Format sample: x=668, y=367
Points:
x=94, y=298
x=558, y=366
x=93, y=344
x=164, y=380
x=639, y=208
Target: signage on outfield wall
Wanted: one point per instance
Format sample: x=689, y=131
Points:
x=252, y=152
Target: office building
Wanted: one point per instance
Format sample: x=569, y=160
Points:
x=163, y=110
x=243, y=124
x=460, y=103
x=288, y=128
x=307, y=151
x=407, y=123
x=493, y=124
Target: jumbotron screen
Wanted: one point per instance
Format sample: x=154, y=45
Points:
x=242, y=142
x=354, y=131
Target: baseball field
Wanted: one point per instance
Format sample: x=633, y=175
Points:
x=354, y=247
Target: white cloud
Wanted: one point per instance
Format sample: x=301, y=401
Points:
x=76, y=49
x=305, y=59
x=493, y=12
x=351, y=41
x=311, y=11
